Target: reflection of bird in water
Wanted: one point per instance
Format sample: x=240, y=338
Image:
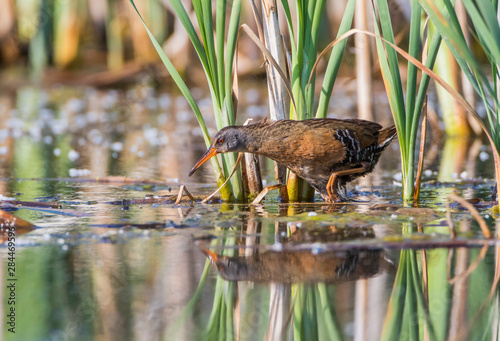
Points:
x=301, y=266
x=305, y=266
x=327, y=153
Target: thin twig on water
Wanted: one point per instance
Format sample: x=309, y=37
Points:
x=264, y=192
x=420, y=166
x=183, y=190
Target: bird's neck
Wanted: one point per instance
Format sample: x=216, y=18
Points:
x=251, y=142
x=255, y=136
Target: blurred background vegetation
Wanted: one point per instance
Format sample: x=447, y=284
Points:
x=53, y=37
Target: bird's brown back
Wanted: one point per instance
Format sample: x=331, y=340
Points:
x=297, y=142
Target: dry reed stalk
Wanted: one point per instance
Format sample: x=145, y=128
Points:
x=423, y=135
x=183, y=190
x=279, y=310
x=420, y=166
x=252, y=171
x=425, y=280
x=363, y=63
x=252, y=176
x=264, y=192
x=458, y=310
x=279, y=101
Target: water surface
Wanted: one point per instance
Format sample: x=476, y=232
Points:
x=112, y=257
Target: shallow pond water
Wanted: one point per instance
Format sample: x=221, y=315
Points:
x=112, y=257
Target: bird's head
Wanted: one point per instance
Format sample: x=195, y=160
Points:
x=228, y=139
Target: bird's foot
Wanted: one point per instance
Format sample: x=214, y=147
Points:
x=336, y=195
x=336, y=191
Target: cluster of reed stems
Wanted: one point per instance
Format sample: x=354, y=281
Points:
x=291, y=66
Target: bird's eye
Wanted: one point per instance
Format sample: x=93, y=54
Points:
x=220, y=141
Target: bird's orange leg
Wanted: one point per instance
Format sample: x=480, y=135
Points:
x=331, y=186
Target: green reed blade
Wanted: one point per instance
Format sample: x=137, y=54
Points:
x=386, y=71
x=210, y=49
x=288, y=16
x=220, y=31
x=439, y=291
x=486, y=24
x=424, y=85
x=229, y=159
x=411, y=306
x=326, y=314
x=392, y=57
x=420, y=300
x=334, y=61
x=395, y=310
x=414, y=50
x=232, y=38
x=298, y=312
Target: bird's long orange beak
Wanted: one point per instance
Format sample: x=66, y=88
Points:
x=211, y=255
x=208, y=154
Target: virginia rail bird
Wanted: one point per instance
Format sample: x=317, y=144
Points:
x=327, y=153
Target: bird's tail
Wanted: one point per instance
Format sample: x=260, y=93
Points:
x=386, y=135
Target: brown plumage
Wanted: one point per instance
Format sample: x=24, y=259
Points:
x=327, y=153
